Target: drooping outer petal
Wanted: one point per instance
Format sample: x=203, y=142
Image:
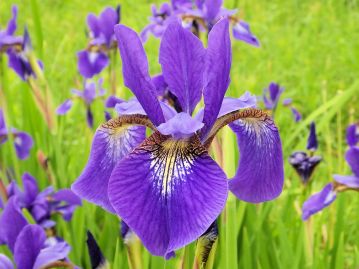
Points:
x=135, y=72
x=112, y=141
x=28, y=245
x=218, y=65
x=11, y=223
x=168, y=192
x=259, y=177
x=318, y=201
x=182, y=57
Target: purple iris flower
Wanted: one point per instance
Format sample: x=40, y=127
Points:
x=166, y=187
x=94, y=59
x=158, y=21
x=90, y=93
x=18, y=58
x=198, y=16
x=7, y=38
x=271, y=95
x=353, y=134
x=101, y=27
x=91, y=62
x=304, y=163
x=22, y=141
x=28, y=242
x=42, y=205
x=341, y=183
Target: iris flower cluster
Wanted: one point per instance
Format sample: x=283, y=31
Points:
x=23, y=142
x=41, y=205
x=22, y=59
x=93, y=60
x=28, y=242
x=328, y=194
x=166, y=187
x=199, y=16
x=30, y=245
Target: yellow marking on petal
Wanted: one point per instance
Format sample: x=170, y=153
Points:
x=172, y=161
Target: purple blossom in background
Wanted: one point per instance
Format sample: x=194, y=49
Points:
x=296, y=114
x=94, y=58
x=18, y=58
x=7, y=38
x=22, y=141
x=319, y=201
x=155, y=183
x=241, y=31
x=88, y=95
x=28, y=242
x=304, y=163
x=353, y=134
x=199, y=16
x=42, y=205
x=341, y=183
x=352, y=158
x=312, y=143
x=101, y=27
x=91, y=63
x=271, y=95
x=158, y=21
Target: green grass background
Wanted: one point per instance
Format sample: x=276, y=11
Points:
x=310, y=47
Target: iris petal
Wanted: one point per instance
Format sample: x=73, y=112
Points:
x=28, y=246
x=218, y=65
x=212, y=8
x=11, y=223
x=319, y=201
x=168, y=192
x=259, y=176
x=182, y=57
x=113, y=141
x=91, y=63
x=352, y=157
x=135, y=72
